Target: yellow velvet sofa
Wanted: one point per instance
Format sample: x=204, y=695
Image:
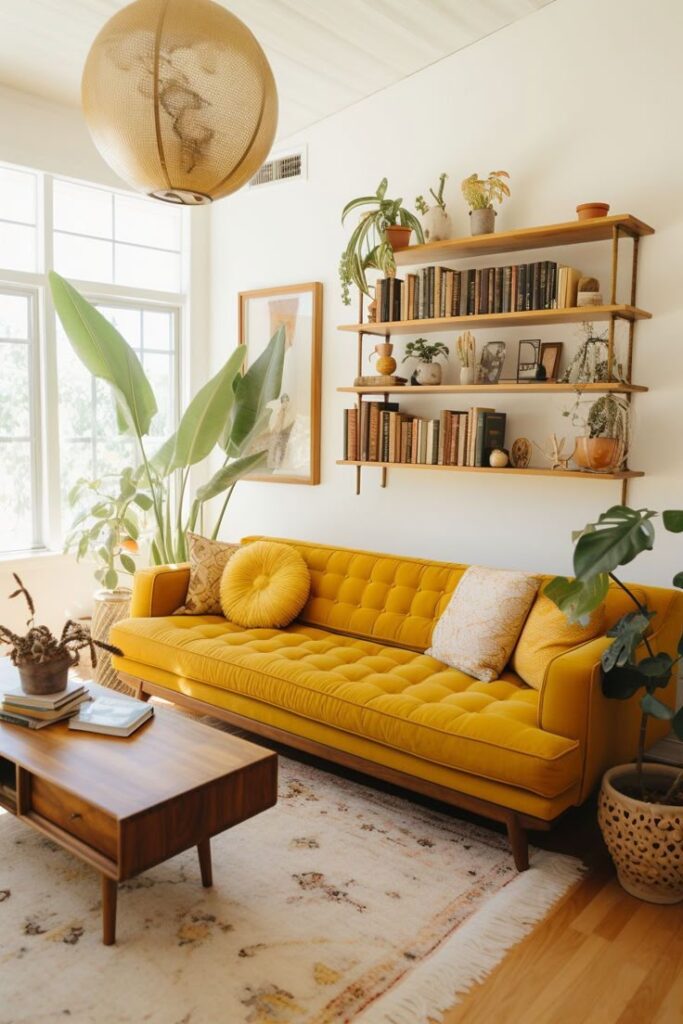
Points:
x=349, y=681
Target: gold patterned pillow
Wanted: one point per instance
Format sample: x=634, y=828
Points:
x=208, y=558
x=478, y=630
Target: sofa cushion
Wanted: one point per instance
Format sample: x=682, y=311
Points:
x=207, y=559
x=402, y=699
x=264, y=584
x=546, y=635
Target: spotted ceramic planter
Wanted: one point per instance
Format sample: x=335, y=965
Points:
x=645, y=840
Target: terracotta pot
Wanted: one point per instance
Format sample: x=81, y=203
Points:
x=50, y=677
x=428, y=373
x=436, y=224
x=398, y=237
x=587, y=211
x=386, y=364
x=598, y=453
x=645, y=840
x=482, y=222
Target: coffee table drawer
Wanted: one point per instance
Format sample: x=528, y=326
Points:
x=75, y=816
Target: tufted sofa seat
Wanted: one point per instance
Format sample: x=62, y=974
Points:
x=350, y=680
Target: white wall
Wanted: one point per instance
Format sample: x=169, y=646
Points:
x=578, y=102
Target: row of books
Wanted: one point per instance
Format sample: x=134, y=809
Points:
x=115, y=716
x=456, y=438
x=442, y=292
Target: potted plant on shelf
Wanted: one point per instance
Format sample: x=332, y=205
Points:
x=641, y=805
x=386, y=226
x=107, y=529
x=435, y=220
x=480, y=195
x=428, y=370
x=603, y=446
x=43, y=660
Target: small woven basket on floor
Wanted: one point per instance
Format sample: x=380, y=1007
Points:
x=110, y=607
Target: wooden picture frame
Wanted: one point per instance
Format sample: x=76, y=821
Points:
x=293, y=436
x=551, y=352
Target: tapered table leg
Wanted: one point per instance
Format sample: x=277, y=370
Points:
x=109, y=893
x=204, y=851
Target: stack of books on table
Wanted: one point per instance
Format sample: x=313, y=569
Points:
x=35, y=710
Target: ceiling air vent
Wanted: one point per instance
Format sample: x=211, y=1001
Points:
x=281, y=168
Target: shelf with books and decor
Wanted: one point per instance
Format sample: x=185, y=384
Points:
x=541, y=293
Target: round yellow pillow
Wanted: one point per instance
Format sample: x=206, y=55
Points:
x=264, y=585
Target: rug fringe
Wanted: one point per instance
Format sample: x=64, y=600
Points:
x=478, y=945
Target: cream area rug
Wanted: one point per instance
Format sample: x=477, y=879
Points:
x=341, y=904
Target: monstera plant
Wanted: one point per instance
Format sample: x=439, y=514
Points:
x=228, y=414
x=641, y=805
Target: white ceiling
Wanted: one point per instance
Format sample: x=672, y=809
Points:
x=325, y=54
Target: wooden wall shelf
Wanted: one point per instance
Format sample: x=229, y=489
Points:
x=627, y=474
x=573, y=232
x=525, y=318
x=504, y=388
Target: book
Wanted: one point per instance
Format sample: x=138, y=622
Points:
x=113, y=716
x=353, y=434
x=43, y=701
x=30, y=722
x=44, y=714
x=493, y=434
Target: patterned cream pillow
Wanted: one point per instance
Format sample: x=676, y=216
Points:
x=478, y=631
x=208, y=559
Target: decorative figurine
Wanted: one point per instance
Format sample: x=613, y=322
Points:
x=498, y=459
x=520, y=453
x=556, y=456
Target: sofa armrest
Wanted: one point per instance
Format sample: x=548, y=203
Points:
x=160, y=590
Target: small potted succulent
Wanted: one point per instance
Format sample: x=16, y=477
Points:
x=435, y=220
x=386, y=226
x=480, y=195
x=602, y=448
x=640, y=809
x=43, y=660
x=428, y=370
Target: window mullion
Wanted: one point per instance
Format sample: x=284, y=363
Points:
x=51, y=510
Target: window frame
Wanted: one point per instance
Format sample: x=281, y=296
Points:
x=48, y=528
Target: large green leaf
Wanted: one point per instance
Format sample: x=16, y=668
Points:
x=254, y=390
x=619, y=535
x=205, y=418
x=678, y=580
x=577, y=599
x=673, y=520
x=107, y=355
x=654, y=706
x=628, y=634
x=229, y=475
x=677, y=723
x=622, y=683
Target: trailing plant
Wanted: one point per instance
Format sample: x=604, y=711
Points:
x=38, y=645
x=590, y=364
x=425, y=352
x=607, y=416
x=481, y=193
x=368, y=246
x=423, y=207
x=107, y=526
x=230, y=413
x=630, y=663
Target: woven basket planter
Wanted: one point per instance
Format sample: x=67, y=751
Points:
x=110, y=607
x=645, y=840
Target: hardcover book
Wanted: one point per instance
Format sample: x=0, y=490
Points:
x=113, y=716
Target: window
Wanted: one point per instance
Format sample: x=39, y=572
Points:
x=126, y=255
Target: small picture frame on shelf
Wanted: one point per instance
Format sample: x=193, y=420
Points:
x=551, y=353
x=529, y=365
x=491, y=362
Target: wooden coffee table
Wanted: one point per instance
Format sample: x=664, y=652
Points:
x=124, y=805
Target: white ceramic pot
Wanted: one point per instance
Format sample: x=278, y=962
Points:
x=482, y=222
x=428, y=373
x=467, y=375
x=436, y=224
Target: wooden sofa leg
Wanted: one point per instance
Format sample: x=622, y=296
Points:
x=519, y=842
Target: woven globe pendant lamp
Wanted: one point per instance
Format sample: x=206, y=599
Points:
x=180, y=99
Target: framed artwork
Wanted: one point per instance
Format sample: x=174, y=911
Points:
x=292, y=436
x=550, y=358
x=528, y=359
x=491, y=362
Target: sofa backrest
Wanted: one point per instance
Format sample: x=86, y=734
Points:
x=398, y=600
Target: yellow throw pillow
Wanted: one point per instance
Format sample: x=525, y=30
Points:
x=546, y=634
x=264, y=585
x=207, y=558
x=480, y=626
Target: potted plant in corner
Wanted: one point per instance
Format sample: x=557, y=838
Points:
x=42, y=659
x=641, y=805
x=107, y=528
x=428, y=370
x=386, y=226
x=435, y=220
x=480, y=195
x=602, y=448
